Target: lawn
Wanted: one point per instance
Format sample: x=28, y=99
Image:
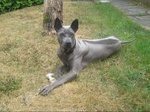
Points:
x=120, y=83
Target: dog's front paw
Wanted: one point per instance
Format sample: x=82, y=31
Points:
x=45, y=90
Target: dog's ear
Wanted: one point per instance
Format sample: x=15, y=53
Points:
x=74, y=25
x=57, y=24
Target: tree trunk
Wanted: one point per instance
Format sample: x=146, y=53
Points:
x=52, y=9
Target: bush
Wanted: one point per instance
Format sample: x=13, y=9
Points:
x=9, y=5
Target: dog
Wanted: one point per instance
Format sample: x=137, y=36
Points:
x=77, y=54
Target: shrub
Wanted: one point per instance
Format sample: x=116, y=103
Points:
x=9, y=5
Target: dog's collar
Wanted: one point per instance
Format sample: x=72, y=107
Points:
x=71, y=50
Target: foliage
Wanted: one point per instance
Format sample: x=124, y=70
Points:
x=9, y=5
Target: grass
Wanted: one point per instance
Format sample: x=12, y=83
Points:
x=119, y=83
x=9, y=84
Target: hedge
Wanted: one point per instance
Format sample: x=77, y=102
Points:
x=9, y=5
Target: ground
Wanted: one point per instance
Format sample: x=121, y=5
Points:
x=119, y=83
x=135, y=11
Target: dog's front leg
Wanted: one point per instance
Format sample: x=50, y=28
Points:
x=68, y=77
x=76, y=68
x=61, y=70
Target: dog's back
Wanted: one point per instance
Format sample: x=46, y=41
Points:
x=101, y=48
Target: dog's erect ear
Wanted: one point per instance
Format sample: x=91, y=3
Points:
x=57, y=24
x=74, y=25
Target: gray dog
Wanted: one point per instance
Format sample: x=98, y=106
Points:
x=77, y=54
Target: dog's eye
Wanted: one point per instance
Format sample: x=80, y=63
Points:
x=62, y=35
x=72, y=35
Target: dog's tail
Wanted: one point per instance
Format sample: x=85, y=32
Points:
x=124, y=42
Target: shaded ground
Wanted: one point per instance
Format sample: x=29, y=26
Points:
x=144, y=2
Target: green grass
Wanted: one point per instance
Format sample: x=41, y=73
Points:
x=121, y=82
x=9, y=84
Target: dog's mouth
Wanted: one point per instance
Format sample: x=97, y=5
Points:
x=68, y=48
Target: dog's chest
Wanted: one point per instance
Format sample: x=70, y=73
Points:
x=66, y=59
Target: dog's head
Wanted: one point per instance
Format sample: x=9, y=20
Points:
x=66, y=35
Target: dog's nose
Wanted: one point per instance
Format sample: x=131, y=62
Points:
x=68, y=43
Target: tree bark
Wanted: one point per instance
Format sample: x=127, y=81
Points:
x=52, y=9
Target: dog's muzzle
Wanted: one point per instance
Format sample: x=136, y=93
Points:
x=68, y=47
